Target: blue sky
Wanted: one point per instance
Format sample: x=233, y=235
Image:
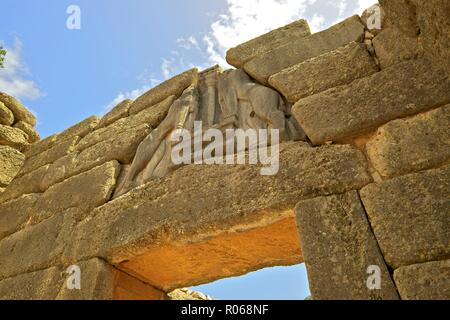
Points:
x=125, y=47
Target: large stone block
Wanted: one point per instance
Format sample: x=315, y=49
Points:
x=27, y=184
x=339, y=247
x=247, y=51
x=85, y=192
x=433, y=18
x=121, y=148
x=20, y=112
x=13, y=137
x=410, y=216
x=426, y=281
x=39, y=285
x=365, y=104
x=332, y=69
x=11, y=161
x=15, y=214
x=151, y=117
x=33, y=135
x=163, y=224
x=402, y=14
x=34, y=248
x=6, y=115
x=295, y=52
x=392, y=47
x=50, y=155
x=172, y=87
x=118, y=112
x=413, y=144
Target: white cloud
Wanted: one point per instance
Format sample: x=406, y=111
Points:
x=364, y=4
x=317, y=23
x=13, y=78
x=248, y=19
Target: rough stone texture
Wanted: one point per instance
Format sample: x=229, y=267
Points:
x=276, y=60
x=186, y=294
x=402, y=14
x=339, y=247
x=20, y=112
x=338, y=67
x=40, y=285
x=11, y=161
x=34, y=149
x=80, y=129
x=118, y=112
x=97, y=282
x=50, y=155
x=245, y=198
x=14, y=214
x=393, y=47
x=26, y=184
x=410, y=217
x=433, y=18
x=84, y=192
x=13, y=137
x=413, y=144
x=367, y=103
x=151, y=116
x=6, y=115
x=121, y=148
x=32, y=134
x=368, y=19
x=430, y=20
x=427, y=281
x=245, y=52
x=31, y=249
x=171, y=87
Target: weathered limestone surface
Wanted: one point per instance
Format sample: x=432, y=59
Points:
x=410, y=217
x=31, y=249
x=234, y=198
x=14, y=214
x=402, y=14
x=430, y=20
x=20, y=112
x=151, y=116
x=338, y=67
x=339, y=246
x=367, y=103
x=11, y=161
x=39, y=285
x=433, y=18
x=118, y=112
x=26, y=184
x=393, y=47
x=243, y=53
x=50, y=155
x=32, y=134
x=171, y=87
x=427, y=281
x=413, y=144
x=295, y=52
x=121, y=148
x=84, y=192
x=6, y=115
x=97, y=282
x=34, y=149
x=13, y=137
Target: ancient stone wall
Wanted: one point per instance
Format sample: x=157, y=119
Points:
x=363, y=183
x=16, y=134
